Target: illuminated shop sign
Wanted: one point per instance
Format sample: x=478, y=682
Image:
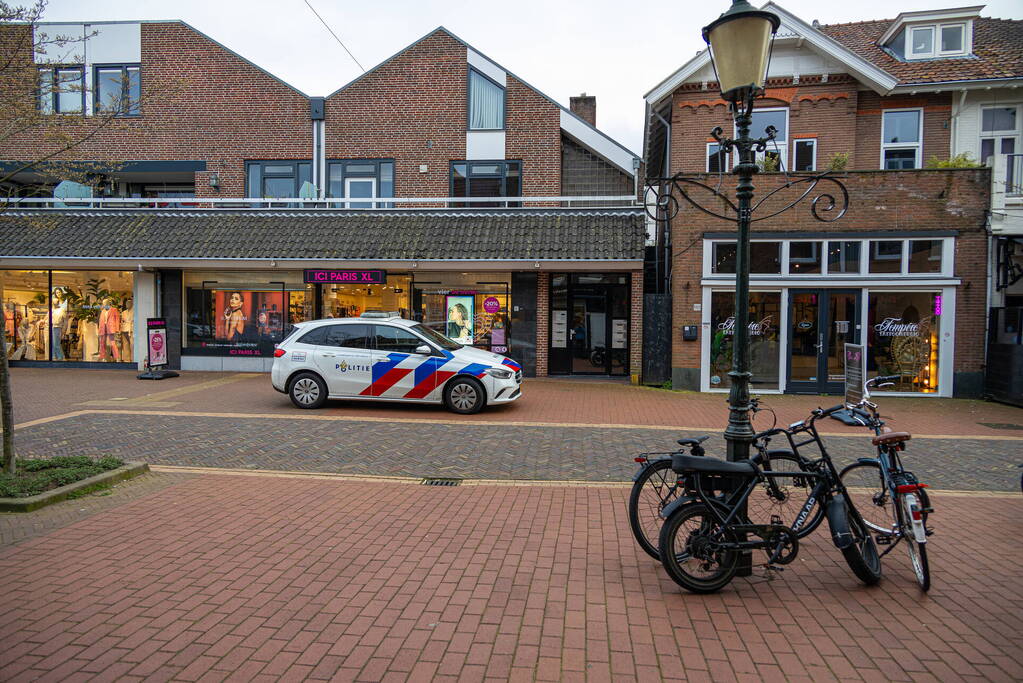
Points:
x=355, y=277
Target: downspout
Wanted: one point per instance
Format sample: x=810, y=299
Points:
x=665, y=172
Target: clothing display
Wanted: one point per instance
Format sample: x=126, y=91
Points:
x=58, y=326
x=108, y=331
x=26, y=341
x=127, y=332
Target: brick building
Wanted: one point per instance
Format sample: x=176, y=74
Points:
x=439, y=171
x=905, y=270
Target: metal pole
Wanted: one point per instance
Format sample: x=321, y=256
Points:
x=739, y=433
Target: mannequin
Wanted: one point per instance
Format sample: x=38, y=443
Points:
x=58, y=324
x=108, y=330
x=26, y=339
x=9, y=324
x=127, y=330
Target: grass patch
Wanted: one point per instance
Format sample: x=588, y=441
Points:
x=38, y=476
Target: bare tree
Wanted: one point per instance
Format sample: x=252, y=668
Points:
x=44, y=135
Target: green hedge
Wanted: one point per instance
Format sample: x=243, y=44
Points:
x=36, y=476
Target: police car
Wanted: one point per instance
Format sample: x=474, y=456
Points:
x=381, y=356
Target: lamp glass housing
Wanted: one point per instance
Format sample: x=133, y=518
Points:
x=740, y=47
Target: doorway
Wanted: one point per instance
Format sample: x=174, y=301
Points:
x=589, y=324
x=821, y=322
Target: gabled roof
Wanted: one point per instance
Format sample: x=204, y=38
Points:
x=997, y=52
x=575, y=126
x=792, y=27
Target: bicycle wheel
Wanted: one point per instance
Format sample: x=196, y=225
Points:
x=861, y=555
x=784, y=497
x=690, y=556
x=912, y=532
x=656, y=486
x=866, y=490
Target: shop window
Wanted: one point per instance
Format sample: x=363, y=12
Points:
x=764, y=320
x=904, y=332
x=242, y=313
x=486, y=103
x=62, y=90
x=901, y=132
x=765, y=258
x=925, y=256
x=276, y=179
x=843, y=258
x=361, y=179
x=486, y=179
x=118, y=90
x=26, y=314
x=470, y=308
x=723, y=258
x=805, y=258
x=885, y=256
x=352, y=300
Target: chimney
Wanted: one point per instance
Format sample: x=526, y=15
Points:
x=585, y=107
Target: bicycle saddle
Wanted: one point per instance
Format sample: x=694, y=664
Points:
x=692, y=463
x=889, y=438
x=693, y=442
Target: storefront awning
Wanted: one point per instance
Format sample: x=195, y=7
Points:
x=507, y=235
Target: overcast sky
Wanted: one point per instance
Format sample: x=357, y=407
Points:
x=614, y=50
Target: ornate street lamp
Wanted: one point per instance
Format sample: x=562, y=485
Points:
x=740, y=48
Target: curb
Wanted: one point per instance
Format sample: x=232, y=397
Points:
x=126, y=471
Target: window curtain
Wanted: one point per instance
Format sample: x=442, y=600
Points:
x=486, y=103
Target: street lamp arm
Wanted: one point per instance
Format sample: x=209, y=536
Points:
x=824, y=203
x=665, y=205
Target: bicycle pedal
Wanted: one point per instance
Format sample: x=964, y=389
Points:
x=883, y=539
x=928, y=532
x=776, y=520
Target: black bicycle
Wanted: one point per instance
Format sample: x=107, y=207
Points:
x=656, y=485
x=704, y=535
x=892, y=501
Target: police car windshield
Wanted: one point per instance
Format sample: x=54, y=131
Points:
x=437, y=338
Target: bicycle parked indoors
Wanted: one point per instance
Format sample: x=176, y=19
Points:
x=891, y=500
x=705, y=534
x=656, y=485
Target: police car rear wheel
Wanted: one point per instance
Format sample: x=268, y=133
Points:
x=308, y=391
x=464, y=395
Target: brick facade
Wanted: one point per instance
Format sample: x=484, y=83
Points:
x=636, y=323
x=543, y=326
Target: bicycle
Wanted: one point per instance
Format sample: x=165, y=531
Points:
x=893, y=502
x=701, y=539
x=656, y=485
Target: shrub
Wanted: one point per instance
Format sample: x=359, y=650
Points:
x=962, y=160
x=838, y=162
x=36, y=476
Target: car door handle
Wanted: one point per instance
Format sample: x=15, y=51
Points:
x=328, y=355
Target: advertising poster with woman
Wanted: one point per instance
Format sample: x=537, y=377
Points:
x=245, y=318
x=461, y=315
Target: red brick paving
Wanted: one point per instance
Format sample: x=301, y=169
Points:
x=268, y=578
x=46, y=392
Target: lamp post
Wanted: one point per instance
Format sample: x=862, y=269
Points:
x=740, y=44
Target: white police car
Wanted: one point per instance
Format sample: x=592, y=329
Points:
x=381, y=356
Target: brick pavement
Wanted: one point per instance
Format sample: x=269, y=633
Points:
x=269, y=578
x=314, y=442
x=42, y=392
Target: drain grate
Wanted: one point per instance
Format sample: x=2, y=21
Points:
x=441, y=482
x=1000, y=425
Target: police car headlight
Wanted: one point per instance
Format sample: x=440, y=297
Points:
x=500, y=373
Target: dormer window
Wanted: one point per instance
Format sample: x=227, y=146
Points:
x=937, y=40
x=933, y=34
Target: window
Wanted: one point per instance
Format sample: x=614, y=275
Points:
x=118, y=90
x=843, y=258
x=276, y=179
x=925, y=256
x=765, y=257
x=62, y=90
x=805, y=258
x=952, y=38
x=361, y=179
x=717, y=158
x=776, y=149
x=486, y=103
x=486, y=179
x=933, y=41
x=396, y=340
x=999, y=132
x=764, y=322
x=903, y=329
x=317, y=337
x=921, y=41
x=804, y=154
x=901, y=132
x=349, y=336
x=885, y=256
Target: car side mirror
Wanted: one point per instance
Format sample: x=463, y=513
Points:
x=424, y=349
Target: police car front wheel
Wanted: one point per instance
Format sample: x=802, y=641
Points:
x=308, y=391
x=464, y=395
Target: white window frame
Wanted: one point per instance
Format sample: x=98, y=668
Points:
x=783, y=144
x=827, y=251
x=936, y=51
x=706, y=158
x=918, y=146
x=349, y=200
x=797, y=141
x=998, y=135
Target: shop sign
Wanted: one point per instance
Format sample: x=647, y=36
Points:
x=757, y=329
x=894, y=327
x=491, y=304
x=156, y=335
x=355, y=277
x=854, y=362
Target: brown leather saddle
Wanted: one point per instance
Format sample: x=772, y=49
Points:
x=890, y=438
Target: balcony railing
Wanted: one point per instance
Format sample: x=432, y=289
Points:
x=1014, y=175
x=295, y=203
